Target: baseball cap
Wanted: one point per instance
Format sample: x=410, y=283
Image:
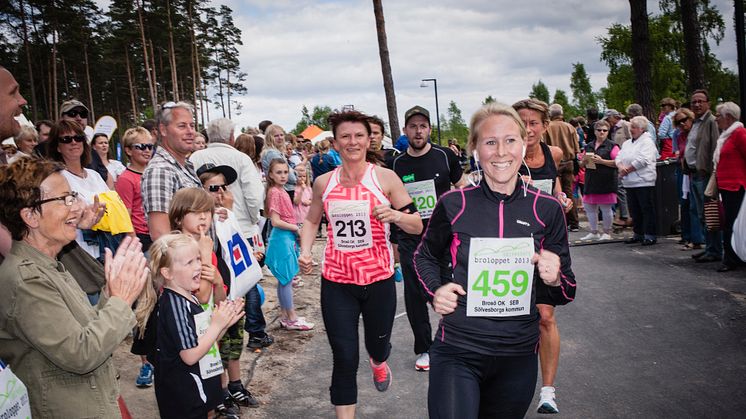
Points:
x=72, y=104
x=227, y=171
x=416, y=110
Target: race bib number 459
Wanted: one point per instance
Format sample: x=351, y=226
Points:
x=500, y=277
x=350, y=223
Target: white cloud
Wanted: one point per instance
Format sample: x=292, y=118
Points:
x=305, y=52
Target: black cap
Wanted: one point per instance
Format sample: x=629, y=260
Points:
x=417, y=110
x=227, y=171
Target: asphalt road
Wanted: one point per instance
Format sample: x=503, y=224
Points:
x=651, y=334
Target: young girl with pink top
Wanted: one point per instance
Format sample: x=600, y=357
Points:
x=282, y=247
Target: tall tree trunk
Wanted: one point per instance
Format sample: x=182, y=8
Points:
x=195, y=72
x=695, y=60
x=27, y=47
x=55, y=90
x=228, y=91
x=172, y=52
x=155, y=74
x=388, y=80
x=641, y=57
x=92, y=116
x=151, y=81
x=133, y=94
x=207, y=100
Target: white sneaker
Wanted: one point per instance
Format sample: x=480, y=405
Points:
x=605, y=236
x=546, y=401
x=423, y=362
x=591, y=236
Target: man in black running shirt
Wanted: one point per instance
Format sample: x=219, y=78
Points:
x=428, y=171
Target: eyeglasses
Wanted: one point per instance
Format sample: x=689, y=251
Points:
x=697, y=102
x=601, y=130
x=215, y=188
x=142, y=147
x=67, y=139
x=168, y=105
x=69, y=199
x=75, y=112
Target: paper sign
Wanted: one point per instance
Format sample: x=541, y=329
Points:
x=350, y=222
x=105, y=125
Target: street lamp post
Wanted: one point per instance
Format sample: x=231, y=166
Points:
x=437, y=111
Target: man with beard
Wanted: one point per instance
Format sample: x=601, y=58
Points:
x=428, y=171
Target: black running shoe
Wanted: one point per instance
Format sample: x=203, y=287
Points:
x=227, y=409
x=258, y=342
x=243, y=397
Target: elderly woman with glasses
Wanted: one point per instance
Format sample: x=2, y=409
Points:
x=56, y=342
x=636, y=165
x=601, y=178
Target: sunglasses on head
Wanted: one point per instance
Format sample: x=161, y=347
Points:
x=215, y=188
x=142, y=147
x=67, y=139
x=75, y=112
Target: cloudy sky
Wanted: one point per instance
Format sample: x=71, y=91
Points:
x=325, y=52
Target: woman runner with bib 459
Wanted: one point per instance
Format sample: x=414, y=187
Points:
x=503, y=237
x=360, y=201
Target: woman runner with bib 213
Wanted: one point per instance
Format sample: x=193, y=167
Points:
x=503, y=237
x=360, y=201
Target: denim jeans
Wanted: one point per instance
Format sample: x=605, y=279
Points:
x=713, y=239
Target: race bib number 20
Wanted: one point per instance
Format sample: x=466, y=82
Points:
x=500, y=277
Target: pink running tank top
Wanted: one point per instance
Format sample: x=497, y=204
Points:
x=358, y=250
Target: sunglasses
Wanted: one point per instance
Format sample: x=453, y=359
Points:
x=601, y=130
x=216, y=188
x=75, y=112
x=168, y=105
x=67, y=139
x=142, y=147
x=680, y=121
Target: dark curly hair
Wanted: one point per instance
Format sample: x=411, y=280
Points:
x=338, y=118
x=20, y=187
x=58, y=129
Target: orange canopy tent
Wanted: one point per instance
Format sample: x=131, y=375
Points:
x=311, y=131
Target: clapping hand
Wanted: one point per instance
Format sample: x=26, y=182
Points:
x=226, y=313
x=126, y=272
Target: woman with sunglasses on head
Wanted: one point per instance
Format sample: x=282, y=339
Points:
x=599, y=191
x=68, y=145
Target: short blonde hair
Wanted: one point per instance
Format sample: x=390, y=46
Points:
x=133, y=134
x=486, y=111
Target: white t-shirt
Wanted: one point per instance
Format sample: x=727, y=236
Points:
x=87, y=189
x=115, y=168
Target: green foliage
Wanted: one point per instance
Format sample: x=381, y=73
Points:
x=560, y=98
x=539, y=91
x=668, y=66
x=318, y=117
x=452, y=126
x=583, y=96
x=81, y=32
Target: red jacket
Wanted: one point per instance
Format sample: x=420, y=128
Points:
x=731, y=170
